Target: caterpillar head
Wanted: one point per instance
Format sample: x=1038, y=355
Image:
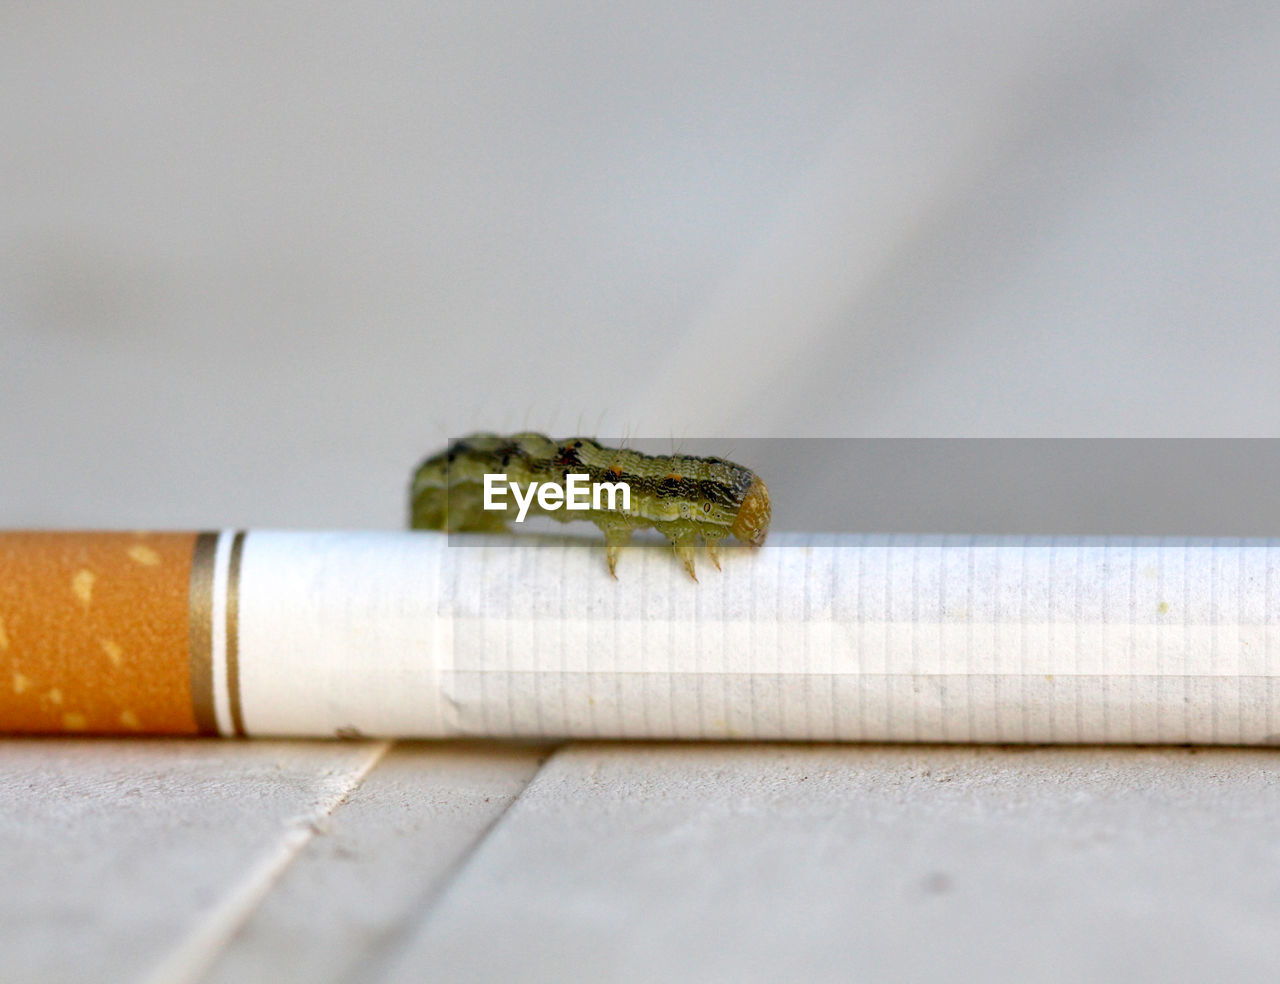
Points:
x=751, y=525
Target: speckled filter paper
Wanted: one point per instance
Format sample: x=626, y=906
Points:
x=94, y=631
x=832, y=637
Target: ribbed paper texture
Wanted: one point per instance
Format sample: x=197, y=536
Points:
x=812, y=638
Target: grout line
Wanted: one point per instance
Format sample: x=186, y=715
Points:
x=195, y=955
x=464, y=859
x=376, y=965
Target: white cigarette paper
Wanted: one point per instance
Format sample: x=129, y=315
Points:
x=858, y=638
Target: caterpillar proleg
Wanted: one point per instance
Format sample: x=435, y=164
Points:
x=684, y=497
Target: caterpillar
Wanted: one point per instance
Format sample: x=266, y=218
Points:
x=683, y=497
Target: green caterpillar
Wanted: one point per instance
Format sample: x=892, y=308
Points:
x=683, y=497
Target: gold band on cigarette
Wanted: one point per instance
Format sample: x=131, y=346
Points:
x=200, y=656
x=233, y=633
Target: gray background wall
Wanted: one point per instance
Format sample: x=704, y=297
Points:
x=256, y=260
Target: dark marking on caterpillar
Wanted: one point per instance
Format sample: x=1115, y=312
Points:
x=684, y=497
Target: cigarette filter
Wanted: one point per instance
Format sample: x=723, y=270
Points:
x=859, y=638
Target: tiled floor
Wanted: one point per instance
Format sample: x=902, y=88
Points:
x=166, y=861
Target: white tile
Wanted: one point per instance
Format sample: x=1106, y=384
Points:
x=346, y=904
x=113, y=852
x=140, y=859
x=873, y=863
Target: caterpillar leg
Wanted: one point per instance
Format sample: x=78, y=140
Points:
x=616, y=536
x=713, y=550
x=684, y=538
x=683, y=546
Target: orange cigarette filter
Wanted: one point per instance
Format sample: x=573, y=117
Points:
x=95, y=632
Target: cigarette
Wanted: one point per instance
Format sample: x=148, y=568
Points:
x=812, y=637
